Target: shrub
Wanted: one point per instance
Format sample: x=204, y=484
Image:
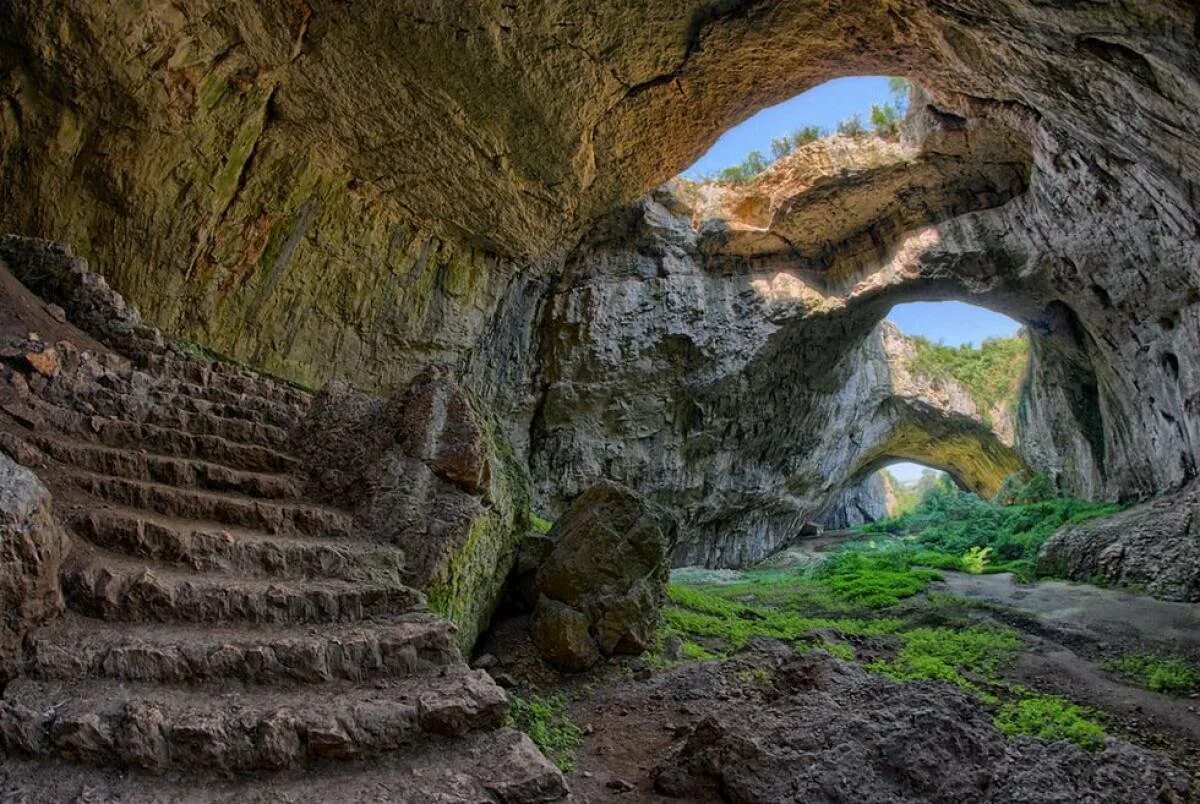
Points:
x=546, y=722
x=944, y=654
x=975, y=560
x=1168, y=675
x=806, y=135
x=852, y=126
x=1050, y=718
x=781, y=147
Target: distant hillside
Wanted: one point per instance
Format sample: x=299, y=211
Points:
x=991, y=372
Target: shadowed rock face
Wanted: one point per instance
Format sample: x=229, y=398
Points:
x=324, y=191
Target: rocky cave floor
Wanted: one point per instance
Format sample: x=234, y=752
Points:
x=782, y=719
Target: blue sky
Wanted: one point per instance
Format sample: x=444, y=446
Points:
x=951, y=322
x=822, y=106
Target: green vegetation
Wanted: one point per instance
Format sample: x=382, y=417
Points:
x=546, y=722
x=945, y=654
x=874, y=579
x=953, y=529
x=836, y=607
x=852, y=126
x=886, y=119
x=1170, y=675
x=992, y=373
x=1050, y=718
x=539, y=524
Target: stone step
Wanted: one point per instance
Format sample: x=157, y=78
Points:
x=80, y=647
x=271, y=516
x=167, y=441
x=166, y=469
x=161, y=728
x=502, y=766
x=172, y=415
x=226, y=378
x=119, y=589
x=212, y=546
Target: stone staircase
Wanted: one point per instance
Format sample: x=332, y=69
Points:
x=226, y=638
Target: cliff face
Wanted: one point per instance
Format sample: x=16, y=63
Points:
x=741, y=393
x=324, y=191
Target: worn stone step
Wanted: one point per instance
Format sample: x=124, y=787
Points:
x=167, y=441
x=163, y=728
x=81, y=647
x=166, y=469
x=271, y=516
x=226, y=377
x=213, y=546
x=119, y=589
x=501, y=766
x=186, y=417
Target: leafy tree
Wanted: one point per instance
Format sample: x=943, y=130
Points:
x=781, y=146
x=756, y=163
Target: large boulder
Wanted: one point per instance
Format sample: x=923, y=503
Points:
x=1153, y=546
x=426, y=471
x=32, y=548
x=601, y=589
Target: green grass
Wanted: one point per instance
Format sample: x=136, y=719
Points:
x=546, y=722
x=539, y=524
x=946, y=654
x=873, y=579
x=1050, y=718
x=1169, y=675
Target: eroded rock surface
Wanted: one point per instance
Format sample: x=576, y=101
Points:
x=1154, y=546
x=602, y=585
x=425, y=472
x=32, y=549
x=833, y=732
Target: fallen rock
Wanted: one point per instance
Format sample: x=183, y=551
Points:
x=603, y=584
x=32, y=548
x=1154, y=546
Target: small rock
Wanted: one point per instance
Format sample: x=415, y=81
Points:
x=588, y=728
x=485, y=662
x=57, y=313
x=619, y=785
x=504, y=680
x=44, y=362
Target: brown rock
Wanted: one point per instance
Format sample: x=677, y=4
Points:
x=436, y=423
x=44, y=362
x=562, y=636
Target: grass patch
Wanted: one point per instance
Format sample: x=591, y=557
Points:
x=546, y=722
x=773, y=604
x=946, y=654
x=874, y=579
x=1051, y=718
x=1169, y=675
x=539, y=524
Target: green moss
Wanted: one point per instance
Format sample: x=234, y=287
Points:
x=539, y=524
x=546, y=722
x=1169, y=675
x=1050, y=718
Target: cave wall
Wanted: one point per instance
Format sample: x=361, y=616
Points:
x=321, y=190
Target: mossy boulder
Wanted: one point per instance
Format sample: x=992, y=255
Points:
x=608, y=570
